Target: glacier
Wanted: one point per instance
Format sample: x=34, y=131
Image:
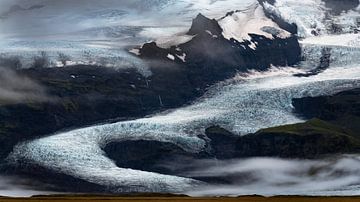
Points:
x=242, y=105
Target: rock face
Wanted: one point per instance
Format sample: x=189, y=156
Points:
x=202, y=23
x=149, y=155
x=342, y=109
x=307, y=140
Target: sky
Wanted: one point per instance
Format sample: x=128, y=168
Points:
x=70, y=17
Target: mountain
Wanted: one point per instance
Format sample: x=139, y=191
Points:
x=210, y=57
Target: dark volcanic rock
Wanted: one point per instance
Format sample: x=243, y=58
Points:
x=151, y=156
x=201, y=23
x=342, y=109
x=312, y=139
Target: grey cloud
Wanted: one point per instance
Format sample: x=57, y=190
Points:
x=272, y=176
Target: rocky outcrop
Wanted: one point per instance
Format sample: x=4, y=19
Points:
x=151, y=156
x=202, y=23
x=312, y=139
x=342, y=109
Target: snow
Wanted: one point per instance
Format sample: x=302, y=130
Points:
x=250, y=21
x=170, y=56
x=182, y=57
x=211, y=34
x=252, y=45
x=135, y=51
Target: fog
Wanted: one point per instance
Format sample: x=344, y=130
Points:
x=20, y=187
x=272, y=176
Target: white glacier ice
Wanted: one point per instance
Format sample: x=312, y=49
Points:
x=344, y=49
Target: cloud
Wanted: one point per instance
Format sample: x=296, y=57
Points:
x=70, y=16
x=15, y=88
x=13, y=186
x=272, y=176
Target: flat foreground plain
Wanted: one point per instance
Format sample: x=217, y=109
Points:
x=186, y=199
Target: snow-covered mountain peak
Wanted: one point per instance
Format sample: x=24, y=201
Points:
x=239, y=24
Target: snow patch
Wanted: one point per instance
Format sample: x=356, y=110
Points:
x=171, y=57
x=135, y=51
x=182, y=57
x=211, y=34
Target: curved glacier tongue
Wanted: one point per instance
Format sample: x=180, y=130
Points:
x=258, y=101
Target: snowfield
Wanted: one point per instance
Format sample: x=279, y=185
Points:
x=251, y=20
